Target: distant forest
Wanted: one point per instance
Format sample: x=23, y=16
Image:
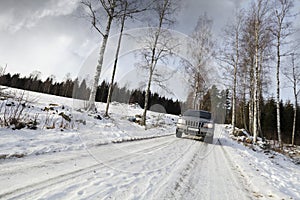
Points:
x=220, y=99
x=78, y=89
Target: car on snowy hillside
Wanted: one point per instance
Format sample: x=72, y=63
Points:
x=196, y=123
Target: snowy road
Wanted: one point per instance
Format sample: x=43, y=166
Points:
x=159, y=168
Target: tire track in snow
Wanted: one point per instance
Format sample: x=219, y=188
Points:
x=113, y=141
x=189, y=174
x=177, y=179
x=157, y=181
x=36, y=188
x=207, y=177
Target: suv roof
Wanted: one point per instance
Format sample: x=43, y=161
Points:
x=198, y=113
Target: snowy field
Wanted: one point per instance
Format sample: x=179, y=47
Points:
x=92, y=158
x=55, y=134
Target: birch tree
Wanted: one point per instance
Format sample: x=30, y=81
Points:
x=292, y=73
x=257, y=29
x=247, y=66
x=231, y=56
x=111, y=9
x=128, y=9
x=243, y=89
x=201, y=51
x=256, y=40
x=281, y=30
x=116, y=60
x=158, y=43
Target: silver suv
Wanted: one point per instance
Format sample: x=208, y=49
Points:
x=197, y=123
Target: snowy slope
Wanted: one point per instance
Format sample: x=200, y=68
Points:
x=76, y=135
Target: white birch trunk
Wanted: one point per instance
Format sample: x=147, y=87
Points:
x=110, y=91
x=255, y=113
x=92, y=98
x=251, y=100
x=294, y=121
x=296, y=102
x=147, y=99
x=278, y=90
x=235, y=80
x=259, y=93
x=244, y=100
x=153, y=62
x=251, y=109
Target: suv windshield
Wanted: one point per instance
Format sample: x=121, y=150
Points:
x=198, y=113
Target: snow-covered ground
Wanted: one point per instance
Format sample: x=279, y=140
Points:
x=270, y=175
x=55, y=134
x=117, y=159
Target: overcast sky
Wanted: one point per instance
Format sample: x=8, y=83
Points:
x=49, y=35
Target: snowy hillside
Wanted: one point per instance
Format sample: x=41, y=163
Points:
x=54, y=133
x=89, y=157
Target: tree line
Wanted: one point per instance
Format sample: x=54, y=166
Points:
x=259, y=49
x=214, y=100
x=268, y=118
x=79, y=90
x=220, y=104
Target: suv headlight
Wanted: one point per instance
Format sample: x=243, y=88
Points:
x=181, y=121
x=208, y=125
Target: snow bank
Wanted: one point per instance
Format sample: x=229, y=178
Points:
x=270, y=174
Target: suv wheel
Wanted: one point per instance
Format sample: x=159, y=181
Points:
x=208, y=139
x=178, y=133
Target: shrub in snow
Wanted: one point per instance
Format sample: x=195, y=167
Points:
x=66, y=117
x=98, y=117
x=132, y=119
x=32, y=124
x=15, y=111
x=138, y=119
x=239, y=132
